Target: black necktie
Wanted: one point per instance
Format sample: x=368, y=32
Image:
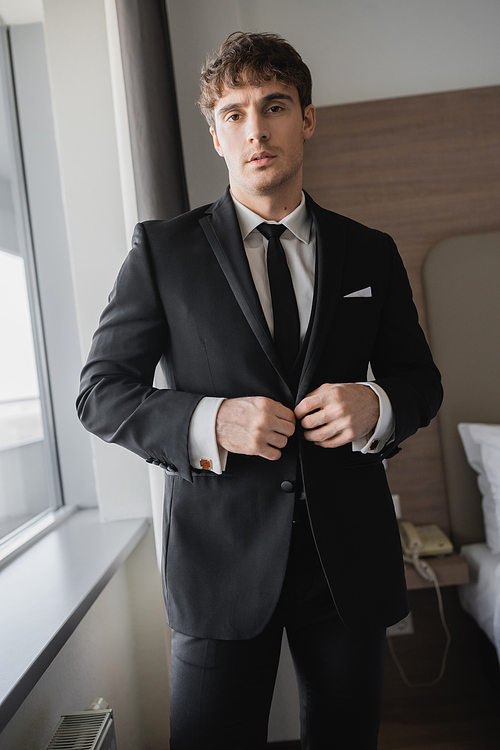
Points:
x=285, y=311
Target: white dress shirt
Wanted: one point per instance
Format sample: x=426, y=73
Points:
x=299, y=243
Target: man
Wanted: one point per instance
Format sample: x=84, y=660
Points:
x=265, y=311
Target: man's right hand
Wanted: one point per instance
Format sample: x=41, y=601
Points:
x=254, y=426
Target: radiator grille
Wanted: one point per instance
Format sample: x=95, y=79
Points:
x=84, y=730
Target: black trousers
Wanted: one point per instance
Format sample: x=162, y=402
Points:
x=221, y=691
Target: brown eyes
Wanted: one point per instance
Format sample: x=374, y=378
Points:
x=274, y=109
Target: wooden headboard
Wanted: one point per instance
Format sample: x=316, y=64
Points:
x=423, y=169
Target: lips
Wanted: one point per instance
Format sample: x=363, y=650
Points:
x=261, y=156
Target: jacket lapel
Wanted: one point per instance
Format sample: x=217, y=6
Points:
x=222, y=231
x=330, y=254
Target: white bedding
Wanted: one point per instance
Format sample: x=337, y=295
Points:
x=481, y=598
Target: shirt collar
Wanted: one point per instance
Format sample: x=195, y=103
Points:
x=298, y=222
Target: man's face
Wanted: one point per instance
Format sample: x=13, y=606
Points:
x=260, y=132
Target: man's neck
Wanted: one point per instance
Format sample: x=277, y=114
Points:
x=270, y=207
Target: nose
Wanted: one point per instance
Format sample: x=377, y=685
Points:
x=257, y=129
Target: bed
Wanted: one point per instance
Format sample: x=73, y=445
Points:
x=461, y=278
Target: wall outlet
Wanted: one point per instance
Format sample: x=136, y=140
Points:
x=403, y=627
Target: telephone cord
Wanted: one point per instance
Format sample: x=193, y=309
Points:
x=427, y=572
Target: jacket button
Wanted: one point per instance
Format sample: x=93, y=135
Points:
x=171, y=467
x=287, y=486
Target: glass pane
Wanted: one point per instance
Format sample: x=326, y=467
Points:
x=27, y=469
x=20, y=407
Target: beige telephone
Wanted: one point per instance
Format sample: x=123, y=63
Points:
x=426, y=541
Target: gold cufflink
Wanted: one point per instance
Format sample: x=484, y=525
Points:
x=374, y=444
x=206, y=463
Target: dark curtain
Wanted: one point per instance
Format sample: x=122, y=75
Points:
x=152, y=109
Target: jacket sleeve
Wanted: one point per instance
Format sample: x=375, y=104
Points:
x=401, y=360
x=117, y=400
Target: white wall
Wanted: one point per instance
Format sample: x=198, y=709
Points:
x=378, y=49
x=118, y=652
x=21, y=11
x=357, y=50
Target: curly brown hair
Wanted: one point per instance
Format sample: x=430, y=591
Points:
x=252, y=59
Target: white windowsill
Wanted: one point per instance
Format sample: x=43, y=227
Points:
x=30, y=532
x=47, y=590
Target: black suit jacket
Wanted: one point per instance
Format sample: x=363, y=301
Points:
x=185, y=298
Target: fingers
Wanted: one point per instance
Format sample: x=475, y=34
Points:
x=268, y=417
x=313, y=401
x=320, y=417
x=332, y=415
x=267, y=451
x=274, y=426
x=342, y=438
x=338, y=413
x=330, y=439
x=255, y=426
x=283, y=413
x=285, y=427
x=331, y=431
x=321, y=406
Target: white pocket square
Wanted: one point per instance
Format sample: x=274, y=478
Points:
x=366, y=292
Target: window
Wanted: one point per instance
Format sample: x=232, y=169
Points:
x=29, y=477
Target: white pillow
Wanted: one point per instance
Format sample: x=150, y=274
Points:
x=482, y=448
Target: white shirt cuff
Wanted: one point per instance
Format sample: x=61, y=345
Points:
x=204, y=453
x=383, y=433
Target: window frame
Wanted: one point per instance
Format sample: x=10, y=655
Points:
x=39, y=524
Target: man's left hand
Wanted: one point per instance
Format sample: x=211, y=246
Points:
x=338, y=413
